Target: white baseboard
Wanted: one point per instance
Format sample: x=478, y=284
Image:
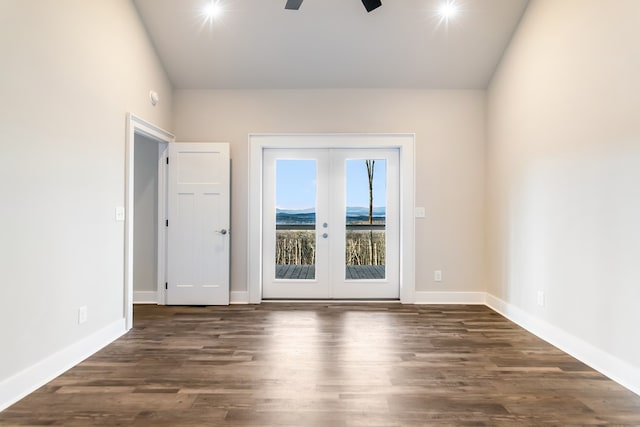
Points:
x=27, y=381
x=618, y=370
x=239, y=297
x=145, y=297
x=476, y=298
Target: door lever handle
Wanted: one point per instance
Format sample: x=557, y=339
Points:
x=223, y=231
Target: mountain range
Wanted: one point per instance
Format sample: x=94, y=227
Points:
x=355, y=214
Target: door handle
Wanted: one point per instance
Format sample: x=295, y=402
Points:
x=325, y=235
x=223, y=231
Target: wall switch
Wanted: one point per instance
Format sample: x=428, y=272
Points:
x=120, y=213
x=421, y=212
x=541, y=298
x=437, y=275
x=82, y=315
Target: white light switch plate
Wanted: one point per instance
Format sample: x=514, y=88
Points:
x=120, y=213
x=421, y=212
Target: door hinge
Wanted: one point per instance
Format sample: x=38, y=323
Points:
x=167, y=223
x=167, y=159
x=166, y=285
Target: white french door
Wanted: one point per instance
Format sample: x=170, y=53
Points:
x=330, y=224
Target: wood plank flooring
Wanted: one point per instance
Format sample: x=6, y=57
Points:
x=331, y=365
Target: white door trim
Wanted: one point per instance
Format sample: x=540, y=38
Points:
x=138, y=126
x=405, y=143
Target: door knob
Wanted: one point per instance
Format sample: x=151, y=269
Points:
x=325, y=235
x=223, y=231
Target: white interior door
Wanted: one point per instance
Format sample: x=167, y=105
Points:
x=198, y=224
x=319, y=239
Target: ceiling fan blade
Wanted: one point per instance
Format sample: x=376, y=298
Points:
x=293, y=4
x=371, y=4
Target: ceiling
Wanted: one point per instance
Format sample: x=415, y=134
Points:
x=257, y=44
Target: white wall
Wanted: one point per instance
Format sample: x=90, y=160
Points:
x=70, y=71
x=564, y=171
x=449, y=127
x=145, y=234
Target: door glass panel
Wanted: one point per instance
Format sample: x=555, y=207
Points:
x=295, y=219
x=366, y=206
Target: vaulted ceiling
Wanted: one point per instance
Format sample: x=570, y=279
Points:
x=257, y=44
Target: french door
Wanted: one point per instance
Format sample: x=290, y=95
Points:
x=330, y=224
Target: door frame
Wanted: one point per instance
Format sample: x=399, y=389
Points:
x=138, y=126
x=404, y=143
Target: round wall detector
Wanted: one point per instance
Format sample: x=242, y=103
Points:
x=153, y=96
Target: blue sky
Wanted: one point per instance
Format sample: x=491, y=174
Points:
x=296, y=184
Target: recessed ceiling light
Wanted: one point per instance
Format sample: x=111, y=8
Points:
x=448, y=9
x=212, y=10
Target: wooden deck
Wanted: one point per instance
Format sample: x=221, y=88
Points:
x=307, y=272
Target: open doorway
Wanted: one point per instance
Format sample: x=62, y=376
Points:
x=146, y=277
x=145, y=235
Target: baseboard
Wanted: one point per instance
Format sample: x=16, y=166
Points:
x=618, y=370
x=239, y=297
x=475, y=298
x=30, y=379
x=145, y=297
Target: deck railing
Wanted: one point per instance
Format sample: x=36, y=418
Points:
x=296, y=245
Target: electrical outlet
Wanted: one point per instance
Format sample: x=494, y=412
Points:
x=437, y=275
x=541, y=298
x=82, y=315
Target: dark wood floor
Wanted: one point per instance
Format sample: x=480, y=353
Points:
x=327, y=365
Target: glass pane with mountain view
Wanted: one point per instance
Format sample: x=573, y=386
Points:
x=295, y=219
x=365, y=219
